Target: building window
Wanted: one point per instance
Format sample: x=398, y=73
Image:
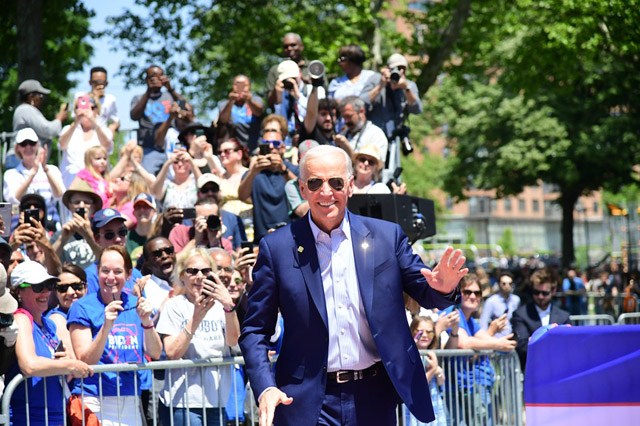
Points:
x=536, y=205
x=449, y=203
x=521, y=205
x=493, y=205
x=507, y=204
x=596, y=206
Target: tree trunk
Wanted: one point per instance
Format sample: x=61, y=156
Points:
x=438, y=56
x=567, y=202
x=29, y=40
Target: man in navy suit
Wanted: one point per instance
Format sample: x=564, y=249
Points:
x=541, y=312
x=347, y=354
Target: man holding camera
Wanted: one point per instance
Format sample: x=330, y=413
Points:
x=389, y=97
x=151, y=109
x=242, y=113
x=263, y=185
x=206, y=230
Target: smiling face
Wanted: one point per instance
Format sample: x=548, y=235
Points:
x=35, y=303
x=366, y=166
x=426, y=333
x=471, y=298
x=66, y=298
x=229, y=154
x=162, y=258
x=193, y=283
x=327, y=204
x=112, y=275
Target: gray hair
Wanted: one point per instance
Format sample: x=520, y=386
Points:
x=296, y=35
x=354, y=101
x=214, y=250
x=324, y=151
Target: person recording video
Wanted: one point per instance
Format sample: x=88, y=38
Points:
x=389, y=96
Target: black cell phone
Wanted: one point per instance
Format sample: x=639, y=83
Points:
x=264, y=149
x=182, y=104
x=247, y=244
x=506, y=311
x=81, y=211
x=189, y=213
x=60, y=347
x=31, y=213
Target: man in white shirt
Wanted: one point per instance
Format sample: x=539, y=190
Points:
x=159, y=259
x=536, y=314
x=358, y=130
x=108, y=111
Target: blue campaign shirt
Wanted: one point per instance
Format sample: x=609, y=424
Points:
x=125, y=343
x=482, y=372
x=94, y=287
x=45, y=341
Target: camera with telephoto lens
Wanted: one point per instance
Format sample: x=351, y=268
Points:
x=395, y=74
x=402, y=132
x=316, y=72
x=213, y=222
x=288, y=85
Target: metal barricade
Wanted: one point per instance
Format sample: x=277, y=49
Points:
x=601, y=319
x=481, y=388
x=629, y=318
x=493, y=399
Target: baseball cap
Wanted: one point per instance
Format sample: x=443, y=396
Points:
x=31, y=199
x=306, y=146
x=205, y=178
x=189, y=128
x=30, y=272
x=7, y=303
x=288, y=69
x=143, y=197
x=26, y=134
x=397, y=60
x=105, y=216
x=30, y=86
x=4, y=243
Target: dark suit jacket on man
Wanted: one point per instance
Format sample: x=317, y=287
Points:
x=525, y=320
x=287, y=278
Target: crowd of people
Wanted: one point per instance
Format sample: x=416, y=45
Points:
x=152, y=258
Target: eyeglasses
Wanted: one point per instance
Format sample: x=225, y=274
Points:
x=110, y=235
x=276, y=144
x=336, y=183
x=209, y=189
x=194, y=271
x=540, y=292
x=271, y=129
x=28, y=142
x=227, y=151
x=227, y=269
x=167, y=250
x=63, y=288
x=342, y=59
x=37, y=288
x=428, y=332
x=506, y=282
x=468, y=293
x=104, y=83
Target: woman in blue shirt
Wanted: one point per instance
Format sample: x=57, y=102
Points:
x=112, y=327
x=39, y=351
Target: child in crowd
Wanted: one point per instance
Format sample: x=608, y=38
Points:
x=96, y=172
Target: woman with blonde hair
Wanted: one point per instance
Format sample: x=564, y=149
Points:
x=199, y=324
x=124, y=190
x=96, y=172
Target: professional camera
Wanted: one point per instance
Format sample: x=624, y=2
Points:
x=394, y=179
x=316, y=72
x=395, y=74
x=402, y=132
x=288, y=85
x=213, y=222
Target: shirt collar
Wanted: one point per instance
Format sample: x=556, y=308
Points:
x=542, y=312
x=344, y=226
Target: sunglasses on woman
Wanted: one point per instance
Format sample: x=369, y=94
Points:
x=194, y=271
x=38, y=288
x=28, y=142
x=63, y=288
x=336, y=183
x=468, y=293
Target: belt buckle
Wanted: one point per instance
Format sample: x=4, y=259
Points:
x=338, y=379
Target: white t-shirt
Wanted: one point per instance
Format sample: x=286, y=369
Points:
x=208, y=341
x=73, y=155
x=13, y=178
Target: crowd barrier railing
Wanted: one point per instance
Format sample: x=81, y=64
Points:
x=481, y=388
x=629, y=318
x=599, y=319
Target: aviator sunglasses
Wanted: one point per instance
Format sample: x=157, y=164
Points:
x=336, y=183
x=468, y=293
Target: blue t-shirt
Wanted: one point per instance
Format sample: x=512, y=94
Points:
x=94, y=287
x=482, y=371
x=45, y=341
x=55, y=310
x=125, y=343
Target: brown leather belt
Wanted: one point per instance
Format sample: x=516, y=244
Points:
x=345, y=376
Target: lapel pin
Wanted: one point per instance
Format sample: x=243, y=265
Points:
x=365, y=245
x=300, y=249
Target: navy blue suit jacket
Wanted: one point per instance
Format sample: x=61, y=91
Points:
x=287, y=278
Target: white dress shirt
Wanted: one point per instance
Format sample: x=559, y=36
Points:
x=351, y=345
x=544, y=315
